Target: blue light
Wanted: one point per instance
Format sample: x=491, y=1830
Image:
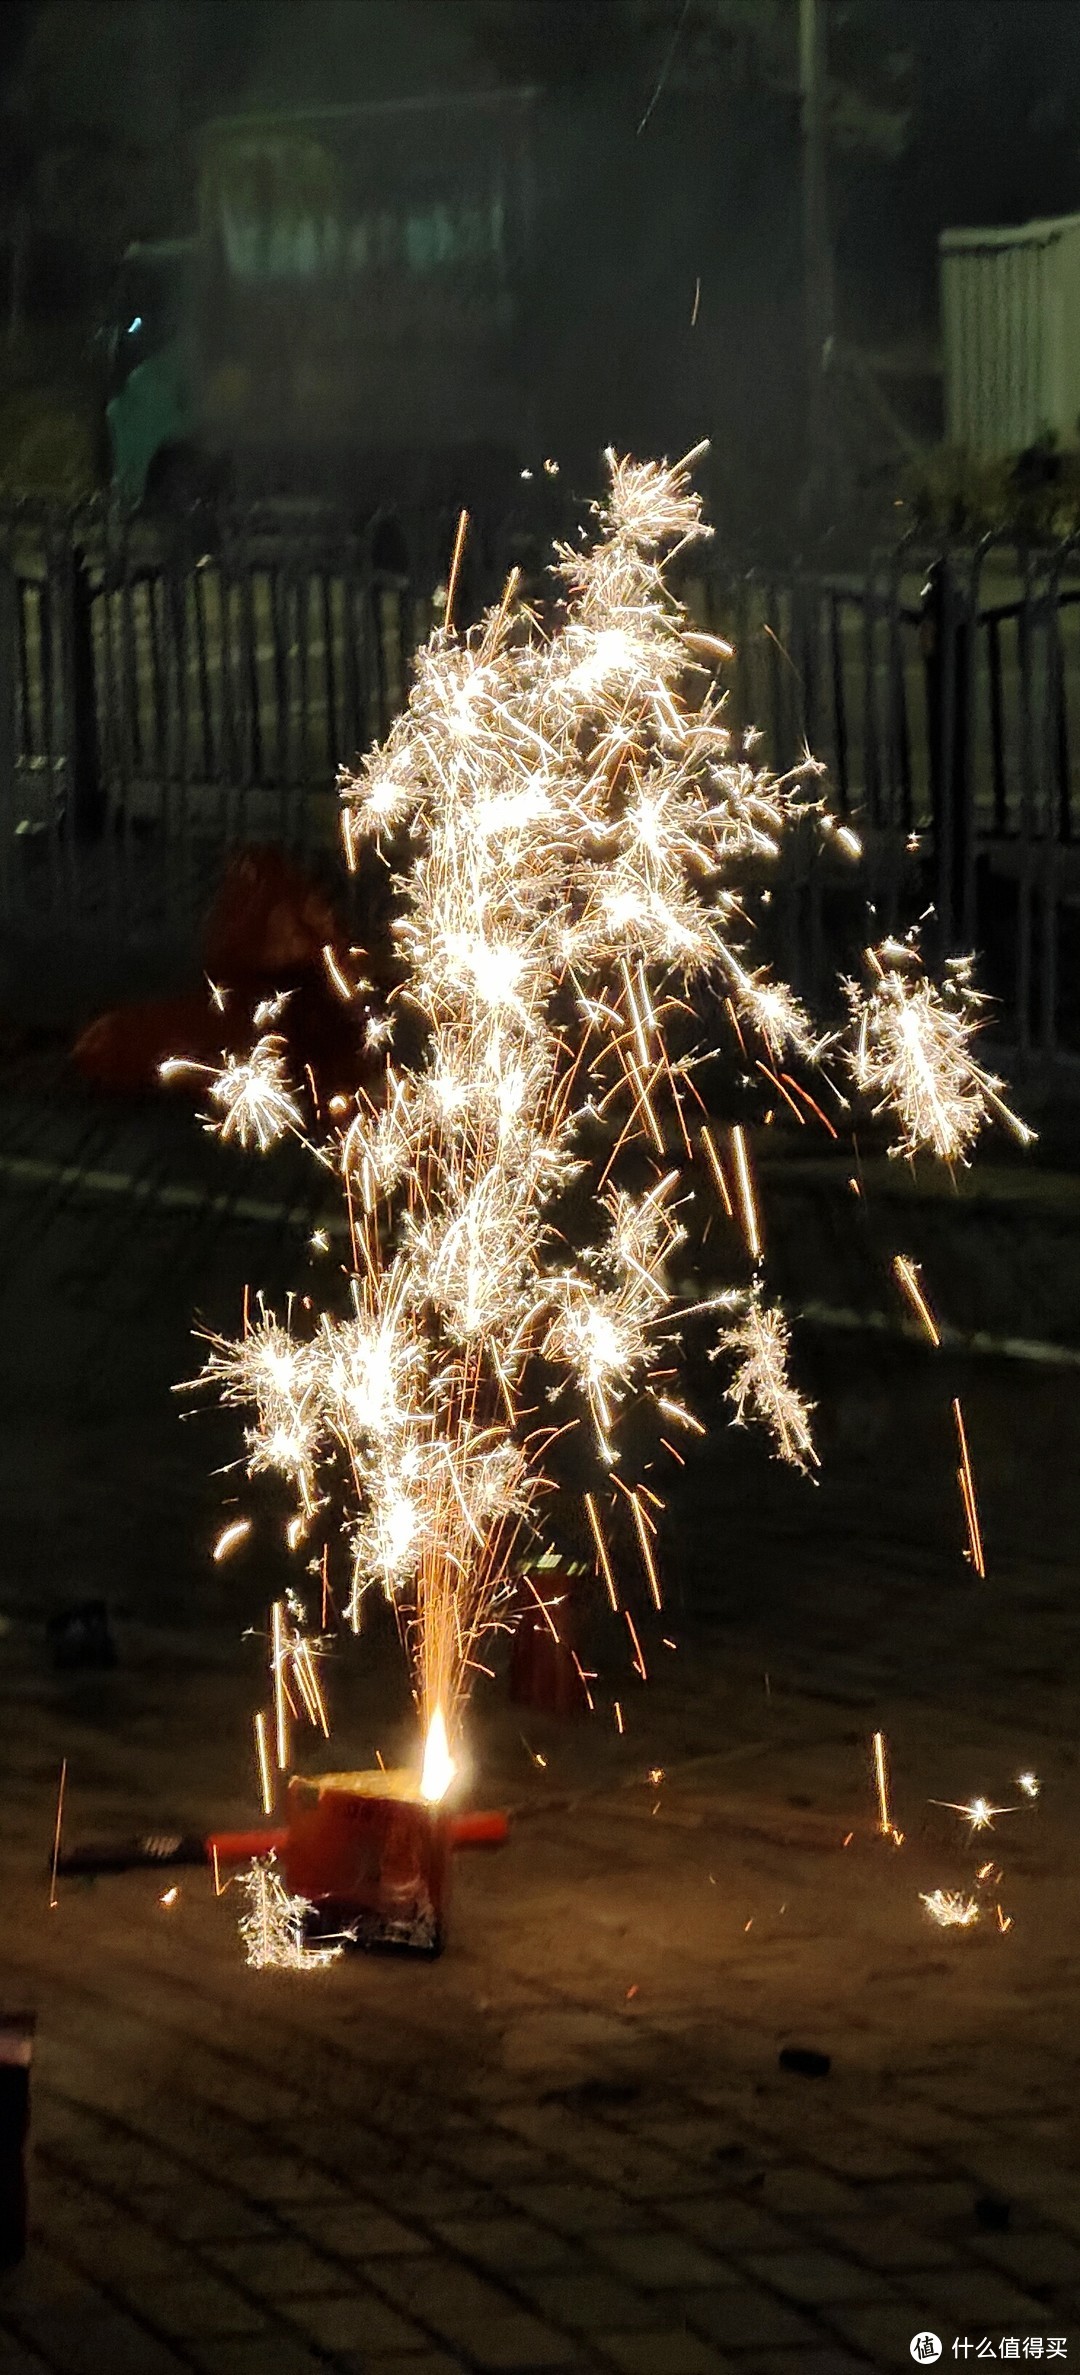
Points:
x=135, y=325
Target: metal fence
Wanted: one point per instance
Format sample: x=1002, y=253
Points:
x=943, y=695
x=168, y=697
x=165, y=696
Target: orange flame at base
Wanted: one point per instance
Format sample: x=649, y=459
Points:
x=438, y=1768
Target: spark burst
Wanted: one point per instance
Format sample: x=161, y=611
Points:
x=577, y=832
x=913, y=1054
x=272, y=1928
x=950, y=1908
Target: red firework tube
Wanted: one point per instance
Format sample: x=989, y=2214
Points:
x=239, y=1847
x=465, y=1830
x=158, y=1850
x=479, y=1830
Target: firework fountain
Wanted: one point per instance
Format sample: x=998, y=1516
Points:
x=579, y=841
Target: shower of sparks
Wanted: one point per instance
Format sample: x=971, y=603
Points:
x=886, y=1825
x=906, y=1274
x=272, y=1928
x=950, y=1908
x=913, y=1054
x=252, y=1096
x=978, y=1812
x=966, y=1482
x=577, y=836
x=761, y=1387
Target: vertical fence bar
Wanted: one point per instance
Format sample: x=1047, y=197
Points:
x=10, y=643
x=1025, y=653
x=839, y=702
x=872, y=771
x=965, y=820
x=998, y=772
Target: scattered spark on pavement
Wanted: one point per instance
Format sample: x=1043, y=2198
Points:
x=950, y=1908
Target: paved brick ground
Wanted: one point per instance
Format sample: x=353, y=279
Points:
x=568, y=2144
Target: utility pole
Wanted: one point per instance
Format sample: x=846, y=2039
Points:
x=817, y=263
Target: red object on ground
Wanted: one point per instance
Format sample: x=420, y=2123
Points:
x=267, y=931
x=238, y=1847
x=372, y=1865
x=466, y=1830
x=121, y=1051
x=479, y=1830
x=268, y=920
x=545, y=1672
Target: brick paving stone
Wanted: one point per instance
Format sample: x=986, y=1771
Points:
x=977, y=2293
x=927, y=2201
x=353, y=2229
x=272, y=2178
x=577, y=2209
x=104, y=2345
x=358, y=2320
x=281, y=2269
x=817, y=2277
x=429, y=2199
x=17, y=2359
x=272, y=2354
x=46, y=2280
x=693, y=2137
x=662, y=2260
x=470, y=2314
x=887, y=2243
x=801, y=2362
x=729, y=2224
x=425, y=2362
x=808, y=2193
x=506, y=2244
x=520, y=2342
x=201, y=2306
x=1033, y=2258
x=133, y=2252
x=666, y=2353
x=591, y=2300
x=194, y=2213
x=738, y=2317
x=883, y=2331
x=496, y=2159
x=847, y=2154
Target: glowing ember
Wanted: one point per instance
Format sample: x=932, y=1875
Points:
x=1029, y=1784
x=966, y=1482
x=230, y=1538
x=906, y=1274
x=950, y=1908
